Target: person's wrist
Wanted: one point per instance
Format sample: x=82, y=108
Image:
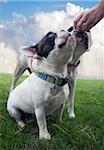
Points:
x=100, y=8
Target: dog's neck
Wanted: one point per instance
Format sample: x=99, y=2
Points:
x=44, y=65
x=76, y=55
x=55, y=63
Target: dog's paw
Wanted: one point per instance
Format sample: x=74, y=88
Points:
x=46, y=136
x=71, y=115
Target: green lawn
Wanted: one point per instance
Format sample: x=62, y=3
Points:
x=85, y=132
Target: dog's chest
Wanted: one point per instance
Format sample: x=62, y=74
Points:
x=54, y=99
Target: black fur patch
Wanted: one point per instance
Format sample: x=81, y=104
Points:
x=46, y=44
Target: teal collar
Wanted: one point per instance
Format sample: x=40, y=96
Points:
x=52, y=79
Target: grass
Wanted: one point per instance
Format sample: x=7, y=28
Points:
x=86, y=132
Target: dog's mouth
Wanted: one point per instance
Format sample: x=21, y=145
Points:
x=74, y=38
x=81, y=37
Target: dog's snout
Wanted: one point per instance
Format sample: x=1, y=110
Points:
x=83, y=36
x=66, y=33
x=69, y=34
x=79, y=34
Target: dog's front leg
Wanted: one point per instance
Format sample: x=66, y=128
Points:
x=58, y=114
x=41, y=121
x=72, y=85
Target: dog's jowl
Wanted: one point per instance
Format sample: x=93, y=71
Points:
x=43, y=92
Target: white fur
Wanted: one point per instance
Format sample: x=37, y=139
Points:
x=33, y=94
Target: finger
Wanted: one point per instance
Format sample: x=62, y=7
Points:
x=81, y=21
x=77, y=20
x=86, y=26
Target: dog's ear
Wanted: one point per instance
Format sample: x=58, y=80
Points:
x=30, y=51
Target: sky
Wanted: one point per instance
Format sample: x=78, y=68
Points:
x=29, y=7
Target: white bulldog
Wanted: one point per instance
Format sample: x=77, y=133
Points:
x=42, y=93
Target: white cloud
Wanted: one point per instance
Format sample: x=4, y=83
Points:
x=11, y=38
x=19, y=18
x=7, y=59
x=93, y=62
x=2, y=26
x=73, y=10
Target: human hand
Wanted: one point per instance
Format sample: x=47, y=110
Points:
x=86, y=20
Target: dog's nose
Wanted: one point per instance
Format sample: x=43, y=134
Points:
x=79, y=34
x=69, y=34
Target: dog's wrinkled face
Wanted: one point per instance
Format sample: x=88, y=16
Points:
x=83, y=42
x=82, y=38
